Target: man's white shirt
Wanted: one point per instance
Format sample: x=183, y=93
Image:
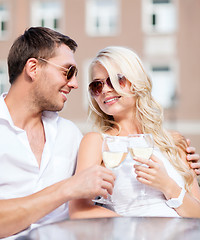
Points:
x=20, y=174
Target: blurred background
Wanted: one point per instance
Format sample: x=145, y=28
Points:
x=164, y=33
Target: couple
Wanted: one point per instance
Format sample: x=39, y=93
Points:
x=38, y=149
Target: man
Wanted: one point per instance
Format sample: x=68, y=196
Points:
x=38, y=149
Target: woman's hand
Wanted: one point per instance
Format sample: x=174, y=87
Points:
x=153, y=174
x=193, y=158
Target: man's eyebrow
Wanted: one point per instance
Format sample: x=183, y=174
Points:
x=67, y=66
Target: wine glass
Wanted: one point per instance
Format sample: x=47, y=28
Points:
x=141, y=145
x=114, y=151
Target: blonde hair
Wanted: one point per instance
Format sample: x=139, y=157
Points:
x=149, y=113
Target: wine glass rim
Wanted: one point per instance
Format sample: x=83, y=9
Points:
x=140, y=134
x=114, y=136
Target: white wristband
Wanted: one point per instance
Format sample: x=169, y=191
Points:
x=176, y=202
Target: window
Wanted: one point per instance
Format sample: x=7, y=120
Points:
x=46, y=14
x=4, y=17
x=159, y=16
x=102, y=17
x=164, y=84
x=4, y=85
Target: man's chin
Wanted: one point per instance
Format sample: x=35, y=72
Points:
x=55, y=108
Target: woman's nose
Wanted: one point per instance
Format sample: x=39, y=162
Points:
x=106, y=88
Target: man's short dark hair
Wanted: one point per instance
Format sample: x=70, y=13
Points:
x=35, y=42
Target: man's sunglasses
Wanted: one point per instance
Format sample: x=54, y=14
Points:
x=96, y=87
x=70, y=72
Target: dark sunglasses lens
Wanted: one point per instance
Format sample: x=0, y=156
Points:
x=95, y=88
x=122, y=80
x=108, y=82
x=71, y=72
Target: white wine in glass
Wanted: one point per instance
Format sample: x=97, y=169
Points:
x=113, y=159
x=141, y=145
x=143, y=152
x=114, y=151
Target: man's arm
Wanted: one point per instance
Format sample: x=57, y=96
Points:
x=18, y=214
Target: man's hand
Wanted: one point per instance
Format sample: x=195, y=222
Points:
x=193, y=158
x=92, y=182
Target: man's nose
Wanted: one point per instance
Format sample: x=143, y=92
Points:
x=73, y=83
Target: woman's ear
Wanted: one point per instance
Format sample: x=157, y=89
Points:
x=31, y=68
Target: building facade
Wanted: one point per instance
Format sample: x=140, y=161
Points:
x=164, y=33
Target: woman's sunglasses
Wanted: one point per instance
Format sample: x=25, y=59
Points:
x=70, y=72
x=96, y=87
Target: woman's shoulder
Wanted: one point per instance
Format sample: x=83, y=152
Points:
x=94, y=137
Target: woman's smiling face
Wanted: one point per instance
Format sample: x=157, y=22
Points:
x=109, y=101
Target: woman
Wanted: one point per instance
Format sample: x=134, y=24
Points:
x=122, y=104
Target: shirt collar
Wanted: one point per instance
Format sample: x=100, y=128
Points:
x=4, y=113
x=50, y=115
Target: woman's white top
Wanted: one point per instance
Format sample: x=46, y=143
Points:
x=127, y=190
